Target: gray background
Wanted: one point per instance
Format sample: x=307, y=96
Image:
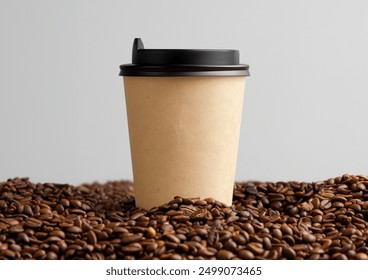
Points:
x=62, y=108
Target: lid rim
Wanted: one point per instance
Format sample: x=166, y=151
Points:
x=180, y=70
x=185, y=66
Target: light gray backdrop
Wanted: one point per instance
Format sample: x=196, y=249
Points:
x=62, y=109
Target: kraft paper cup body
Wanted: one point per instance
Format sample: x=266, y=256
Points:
x=184, y=136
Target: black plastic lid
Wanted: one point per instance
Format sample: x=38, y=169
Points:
x=183, y=62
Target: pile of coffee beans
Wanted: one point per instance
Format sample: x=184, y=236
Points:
x=281, y=220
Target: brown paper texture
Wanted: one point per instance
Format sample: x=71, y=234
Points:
x=184, y=135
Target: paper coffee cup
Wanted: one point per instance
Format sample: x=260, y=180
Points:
x=184, y=112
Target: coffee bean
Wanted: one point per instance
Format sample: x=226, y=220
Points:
x=175, y=257
x=23, y=238
x=251, y=190
x=200, y=203
x=39, y=254
x=255, y=248
x=361, y=256
x=119, y=230
x=132, y=248
x=224, y=255
x=286, y=229
x=276, y=205
x=137, y=215
x=16, y=229
x=309, y=238
x=348, y=231
x=230, y=245
x=151, y=247
x=8, y=254
x=74, y=229
x=207, y=252
x=76, y=203
x=248, y=227
x=317, y=219
x=51, y=256
x=91, y=237
x=151, y=232
x=267, y=243
x=65, y=202
x=33, y=223
x=316, y=202
x=131, y=238
x=288, y=253
x=245, y=254
x=239, y=239
x=201, y=231
x=27, y=210
x=289, y=239
x=196, y=238
x=277, y=233
x=172, y=238
x=224, y=235
x=213, y=237
x=325, y=204
x=15, y=247
x=292, y=211
x=180, y=218
x=58, y=233
x=314, y=257
x=53, y=239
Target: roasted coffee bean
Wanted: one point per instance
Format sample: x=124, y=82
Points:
x=33, y=223
x=8, y=254
x=200, y=203
x=248, y=227
x=53, y=239
x=276, y=205
x=286, y=229
x=91, y=237
x=151, y=232
x=251, y=190
x=76, y=203
x=309, y=238
x=151, y=247
x=255, y=248
x=131, y=238
x=240, y=239
x=230, y=245
x=277, y=233
x=27, y=209
x=16, y=229
x=245, y=254
x=267, y=243
x=74, y=229
x=180, y=218
x=172, y=238
x=361, y=256
x=348, y=231
x=58, y=233
x=39, y=254
x=224, y=255
x=288, y=253
x=213, y=237
x=23, y=238
x=15, y=247
x=136, y=215
x=51, y=256
x=207, y=252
